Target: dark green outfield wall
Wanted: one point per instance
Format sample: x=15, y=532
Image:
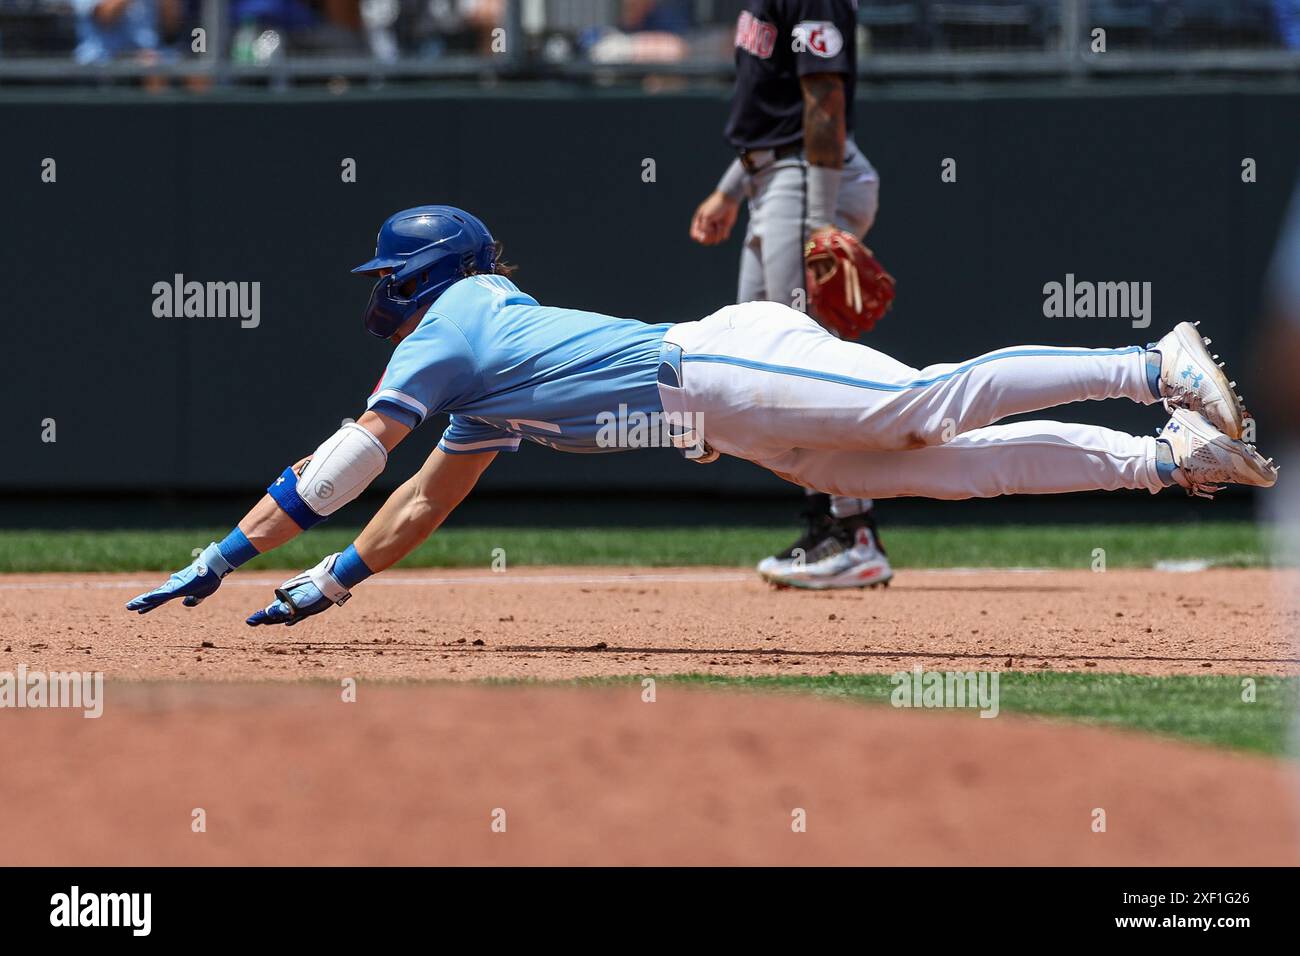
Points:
x=1140, y=186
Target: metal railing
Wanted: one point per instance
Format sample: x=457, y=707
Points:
x=592, y=41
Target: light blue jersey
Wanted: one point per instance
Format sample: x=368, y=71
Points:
x=507, y=368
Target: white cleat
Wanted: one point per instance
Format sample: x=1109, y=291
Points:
x=847, y=556
x=1207, y=459
x=1191, y=379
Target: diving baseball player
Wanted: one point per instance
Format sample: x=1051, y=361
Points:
x=792, y=124
x=758, y=380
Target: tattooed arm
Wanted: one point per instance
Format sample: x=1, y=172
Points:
x=823, y=119
x=824, y=135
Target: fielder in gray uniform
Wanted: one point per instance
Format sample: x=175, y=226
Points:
x=799, y=169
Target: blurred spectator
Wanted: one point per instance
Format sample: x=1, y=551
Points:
x=483, y=16
x=109, y=29
x=650, y=31
x=379, y=18
x=264, y=29
x=602, y=31
x=1287, y=14
x=457, y=26
x=654, y=16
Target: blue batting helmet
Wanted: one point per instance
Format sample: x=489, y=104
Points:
x=427, y=248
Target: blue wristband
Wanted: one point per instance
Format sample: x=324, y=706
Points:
x=237, y=549
x=285, y=492
x=349, y=570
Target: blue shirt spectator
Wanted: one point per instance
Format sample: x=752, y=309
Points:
x=1287, y=13
x=112, y=28
x=285, y=14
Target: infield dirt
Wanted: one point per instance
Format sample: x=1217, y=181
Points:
x=417, y=775
x=563, y=623
x=286, y=772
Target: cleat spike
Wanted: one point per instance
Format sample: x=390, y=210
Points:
x=1232, y=385
x=1215, y=357
x=1207, y=341
x=1197, y=322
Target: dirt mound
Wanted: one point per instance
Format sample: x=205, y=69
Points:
x=414, y=775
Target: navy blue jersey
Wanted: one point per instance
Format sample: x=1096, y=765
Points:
x=778, y=41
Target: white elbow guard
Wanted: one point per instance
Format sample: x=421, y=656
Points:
x=339, y=470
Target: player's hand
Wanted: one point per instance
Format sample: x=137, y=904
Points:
x=193, y=583
x=303, y=595
x=714, y=219
x=296, y=599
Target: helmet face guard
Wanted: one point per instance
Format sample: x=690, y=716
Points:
x=393, y=301
x=385, y=313
x=428, y=248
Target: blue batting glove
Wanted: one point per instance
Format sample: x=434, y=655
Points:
x=194, y=583
x=303, y=595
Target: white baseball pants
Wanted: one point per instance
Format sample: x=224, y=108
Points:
x=766, y=383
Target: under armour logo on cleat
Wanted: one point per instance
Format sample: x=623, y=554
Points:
x=1173, y=427
x=1194, y=375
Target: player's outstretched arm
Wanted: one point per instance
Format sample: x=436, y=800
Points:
x=305, y=494
x=411, y=513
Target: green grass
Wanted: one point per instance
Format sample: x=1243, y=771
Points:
x=1233, y=544
x=1208, y=710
